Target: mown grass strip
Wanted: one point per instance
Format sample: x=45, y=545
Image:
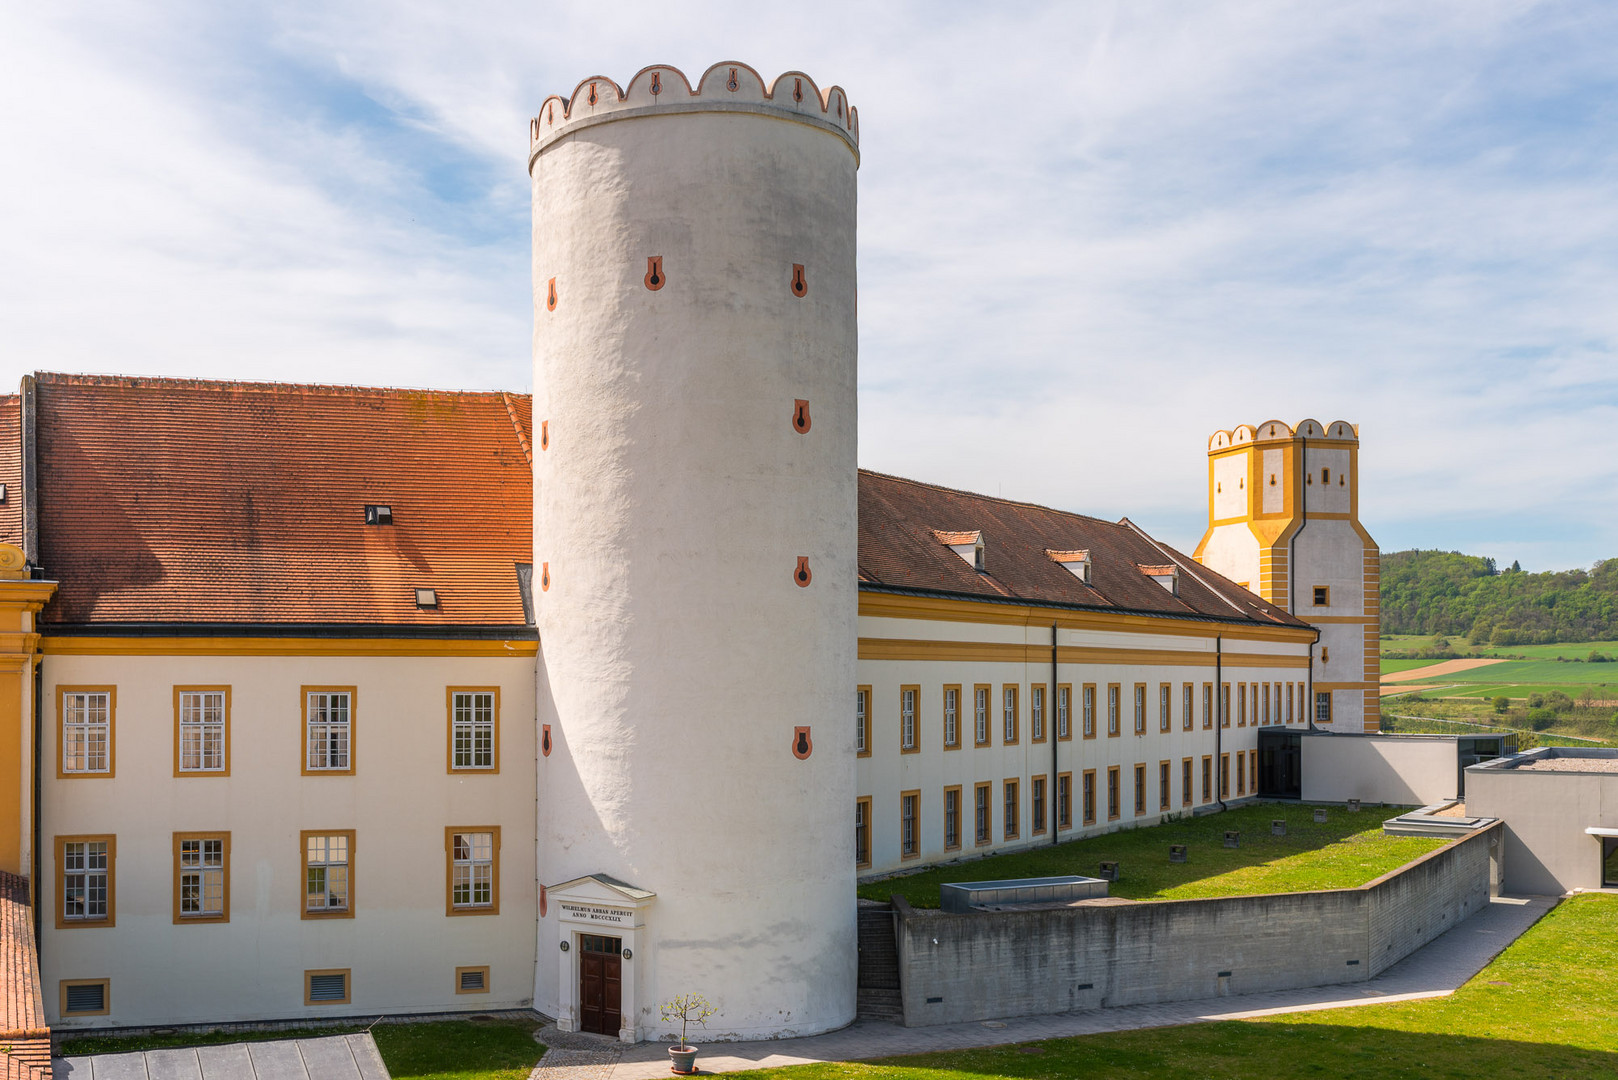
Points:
x=1543, y=1009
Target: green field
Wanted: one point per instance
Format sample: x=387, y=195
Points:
x=1348, y=850
x=1542, y=1009
x=1391, y=666
x=1518, y=690
x=1572, y=650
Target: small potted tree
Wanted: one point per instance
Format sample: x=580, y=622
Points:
x=688, y=1009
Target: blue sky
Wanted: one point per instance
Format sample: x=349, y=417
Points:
x=1091, y=233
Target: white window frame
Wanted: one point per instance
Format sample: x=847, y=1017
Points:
x=86, y=877
x=472, y=870
x=1165, y=706
x=861, y=720
x=1064, y=712
x=330, y=857
x=907, y=719
x=1036, y=713
x=952, y=722
x=1089, y=712
x=201, y=881
x=86, y=732
x=473, y=715
x=1008, y=704
x=980, y=713
x=203, y=731
x=325, y=736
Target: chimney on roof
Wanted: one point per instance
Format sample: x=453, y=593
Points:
x=968, y=545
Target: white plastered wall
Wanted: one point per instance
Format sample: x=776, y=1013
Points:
x=400, y=945
x=887, y=771
x=672, y=505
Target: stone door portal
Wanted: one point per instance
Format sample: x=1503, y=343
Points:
x=600, y=984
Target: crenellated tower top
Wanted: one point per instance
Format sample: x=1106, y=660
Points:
x=1280, y=431
x=729, y=86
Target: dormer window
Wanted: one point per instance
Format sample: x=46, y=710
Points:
x=379, y=515
x=1166, y=576
x=1076, y=563
x=968, y=545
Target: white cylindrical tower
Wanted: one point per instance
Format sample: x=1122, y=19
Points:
x=694, y=526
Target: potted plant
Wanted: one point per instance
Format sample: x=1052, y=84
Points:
x=687, y=1009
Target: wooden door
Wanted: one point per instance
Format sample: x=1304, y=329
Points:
x=600, y=984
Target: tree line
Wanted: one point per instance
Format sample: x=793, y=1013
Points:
x=1445, y=592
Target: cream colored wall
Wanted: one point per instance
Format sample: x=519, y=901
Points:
x=1230, y=485
x=1232, y=550
x=1403, y=770
x=402, y=948
x=1274, y=461
x=887, y=772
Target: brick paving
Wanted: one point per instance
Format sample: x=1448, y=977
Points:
x=1436, y=970
x=23, y=1034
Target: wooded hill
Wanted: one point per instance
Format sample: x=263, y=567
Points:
x=1445, y=592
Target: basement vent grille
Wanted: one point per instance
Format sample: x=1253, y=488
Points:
x=331, y=987
x=472, y=980
x=87, y=998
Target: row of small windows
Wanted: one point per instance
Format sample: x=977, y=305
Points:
x=86, y=876
x=321, y=986
x=88, y=723
x=1059, y=805
x=1271, y=703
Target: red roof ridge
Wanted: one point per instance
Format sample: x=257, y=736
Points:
x=986, y=498
x=58, y=378
x=516, y=425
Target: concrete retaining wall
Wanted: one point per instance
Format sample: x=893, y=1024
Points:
x=957, y=968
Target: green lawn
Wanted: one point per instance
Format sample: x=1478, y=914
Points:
x=1542, y=1010
x=1538, y=671
x=1348, y=850
x=446, y=1050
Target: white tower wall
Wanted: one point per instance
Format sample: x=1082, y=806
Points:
x=674, y=497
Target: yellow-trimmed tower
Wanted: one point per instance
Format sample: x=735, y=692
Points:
x=1283, y=521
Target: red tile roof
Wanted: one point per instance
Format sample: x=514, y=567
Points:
x=175, y=501
x=900, y=520
x=23, y=1033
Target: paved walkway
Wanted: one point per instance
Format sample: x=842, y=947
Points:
x=335, y=1057
x=1434, y=971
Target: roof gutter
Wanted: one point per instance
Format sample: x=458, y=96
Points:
x=1066, y=605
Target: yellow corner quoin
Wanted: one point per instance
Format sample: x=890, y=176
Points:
x=20, y=600
x=251, y=646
